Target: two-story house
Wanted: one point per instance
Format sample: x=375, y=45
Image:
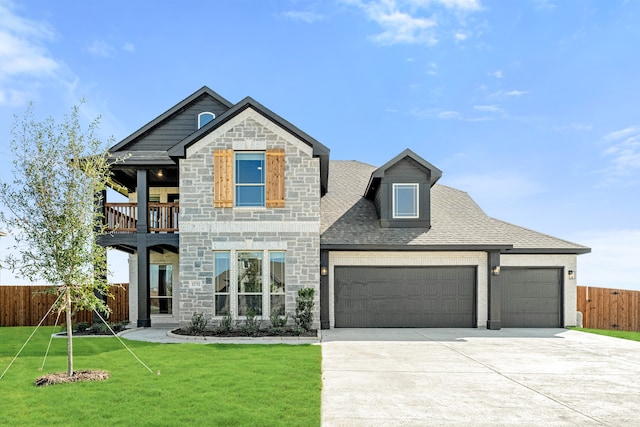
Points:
x=234, y=209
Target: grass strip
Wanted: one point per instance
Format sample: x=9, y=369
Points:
x=627, y=335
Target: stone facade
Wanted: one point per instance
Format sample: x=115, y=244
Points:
x=295, y=228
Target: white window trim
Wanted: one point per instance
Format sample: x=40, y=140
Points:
x=264, y=184
x=202, y=114
x=233, y=280
x=417, y=195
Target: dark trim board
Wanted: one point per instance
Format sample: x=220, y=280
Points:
x=405, y=296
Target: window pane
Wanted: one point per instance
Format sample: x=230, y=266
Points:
x=405, y=200
x=205, y=118
x=249, y=168
x=277, y=303
x=161, y=288
x=249, y=272
x=221, y=270
x=250, y=195
x=245, y=302
x=222, y=305
x=277, y=273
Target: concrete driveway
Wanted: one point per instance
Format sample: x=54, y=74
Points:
x=477, y=377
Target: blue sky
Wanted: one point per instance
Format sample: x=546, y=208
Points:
x=532, y=107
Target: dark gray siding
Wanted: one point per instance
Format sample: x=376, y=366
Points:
x=405, y=171
x=531, y=297
x=177, y=127
x=399, y=297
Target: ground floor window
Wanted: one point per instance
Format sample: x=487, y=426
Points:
x=249, y=281
x=161, y=288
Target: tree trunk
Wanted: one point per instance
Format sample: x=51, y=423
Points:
x=69, y=333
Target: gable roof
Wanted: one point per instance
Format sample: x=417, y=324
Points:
x=203, y=91
x=319, y=150
x=434, y=173
x=349, y=221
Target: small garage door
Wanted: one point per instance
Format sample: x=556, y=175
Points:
x=404, y=297
x=531, y=297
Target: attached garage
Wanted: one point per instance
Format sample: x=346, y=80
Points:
x=531, y=297
x=401, y=296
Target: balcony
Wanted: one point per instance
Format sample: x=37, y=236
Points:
x=123, y=217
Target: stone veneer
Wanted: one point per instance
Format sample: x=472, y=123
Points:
x=294, y=228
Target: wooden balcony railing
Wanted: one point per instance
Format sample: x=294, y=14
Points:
x=123, y=217
x=163, y=217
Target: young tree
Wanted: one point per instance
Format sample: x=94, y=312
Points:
x=59, y=170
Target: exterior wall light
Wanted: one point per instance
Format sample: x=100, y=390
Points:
x=495, y=270
x=571, y=274
x=324, y=271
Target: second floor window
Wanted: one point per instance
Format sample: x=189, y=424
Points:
x=405, y=201
x=249, y=180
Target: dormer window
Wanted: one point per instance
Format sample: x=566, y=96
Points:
x=406, y=201
x=204, y=118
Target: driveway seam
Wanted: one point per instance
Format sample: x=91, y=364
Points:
x=519, y=383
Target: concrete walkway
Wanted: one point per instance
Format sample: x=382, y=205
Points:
x=164, y=335
x=390, y=377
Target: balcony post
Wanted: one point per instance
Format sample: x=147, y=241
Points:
x=144, y=303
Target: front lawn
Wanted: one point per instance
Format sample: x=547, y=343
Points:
x=213, y=384
x=633, y=336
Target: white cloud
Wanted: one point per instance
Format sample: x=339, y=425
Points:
x=624, y=150
x=497, y=74
x=461, y=36
x=414, y=21
x=613, y=261
x=302, y=16
x=101, y=48
x=488, y=108
x=25, y=61
x=129, y=47
x=503, y=94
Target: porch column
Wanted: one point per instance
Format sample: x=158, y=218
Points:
x=144, y=303
x=495, y=292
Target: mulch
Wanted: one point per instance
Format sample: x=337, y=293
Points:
x=62, y=378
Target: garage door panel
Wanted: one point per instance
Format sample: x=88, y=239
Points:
x=531, y=297
x=404, y=296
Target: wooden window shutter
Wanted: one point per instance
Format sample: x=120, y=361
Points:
x=223, y=178
x=275, y=178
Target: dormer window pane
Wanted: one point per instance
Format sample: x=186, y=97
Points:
x=405, y=201
x=204, y=118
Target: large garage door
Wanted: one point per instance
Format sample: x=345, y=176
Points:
x=531, y=297
x=404, y=297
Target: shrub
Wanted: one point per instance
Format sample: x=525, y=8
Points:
x=251, y=324
x=226, y=323
x=198, y=324
x=304, y=309
x=100, y=329
x=278, y=323
x=81, y=326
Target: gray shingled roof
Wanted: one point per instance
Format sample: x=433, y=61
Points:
x=457, y=222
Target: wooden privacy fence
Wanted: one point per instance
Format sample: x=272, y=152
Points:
x=604, y=308
x=26, y=305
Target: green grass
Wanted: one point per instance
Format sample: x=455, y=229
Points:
x=633, y=336
x=214, y=384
